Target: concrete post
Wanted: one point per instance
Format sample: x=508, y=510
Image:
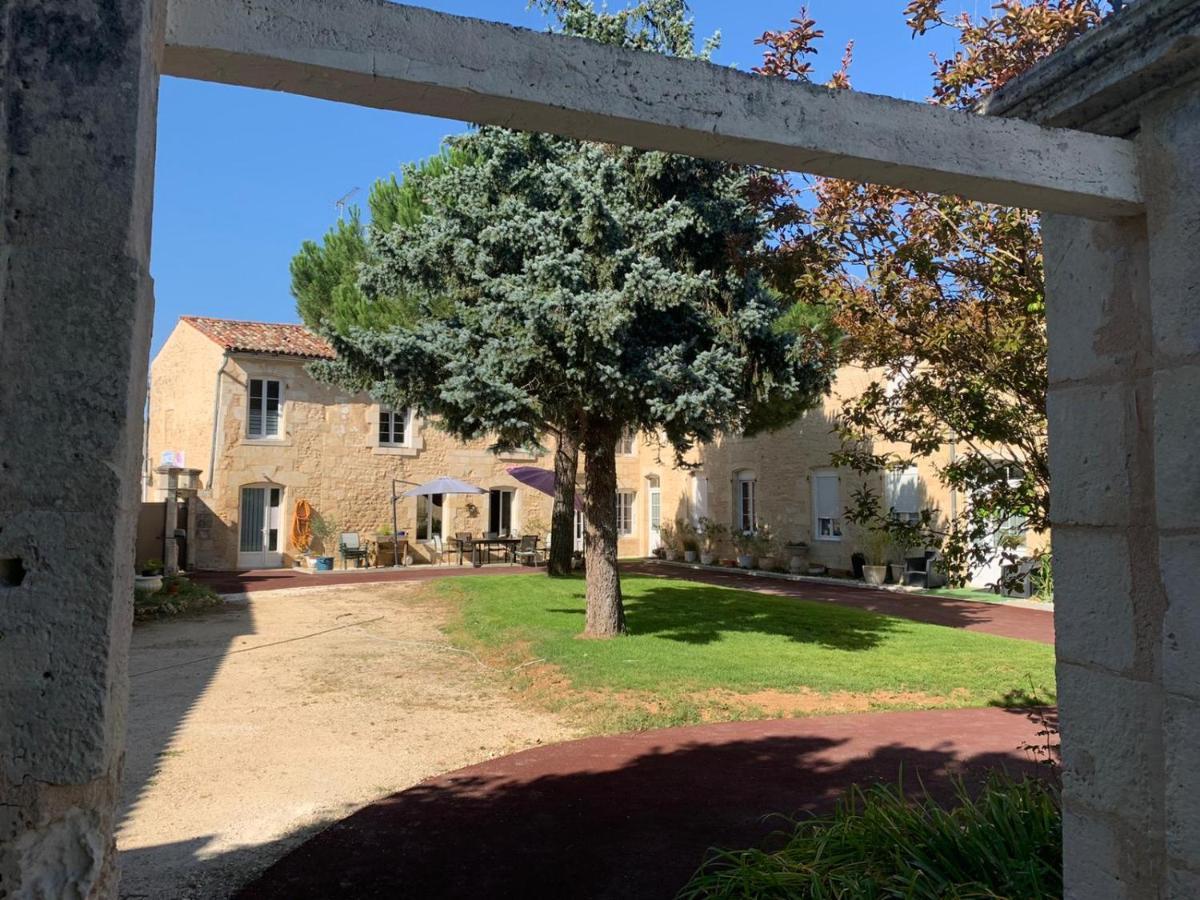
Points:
x=1124, y=318
x=78, y=93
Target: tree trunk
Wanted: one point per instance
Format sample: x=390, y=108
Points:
x=605, y=613
x=562, y=521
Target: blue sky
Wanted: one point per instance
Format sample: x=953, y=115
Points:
x=245, y=176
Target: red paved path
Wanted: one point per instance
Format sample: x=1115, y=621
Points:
x=629, y=816
x=992, y=618
x=251, y=580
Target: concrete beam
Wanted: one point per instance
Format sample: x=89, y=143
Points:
x=384, y=55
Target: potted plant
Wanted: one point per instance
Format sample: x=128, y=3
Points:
x=797, y=556
x=324, y=530
x=711, y=535
x=668, y=541
x=744, y=543
x=150, y=576
x=688, y=541
x=876, y=549
x=765, y=548
x=906, y=537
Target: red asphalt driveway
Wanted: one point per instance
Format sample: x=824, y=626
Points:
x=630, y=816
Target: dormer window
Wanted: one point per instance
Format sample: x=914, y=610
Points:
x=393, y=428
x=266, y=400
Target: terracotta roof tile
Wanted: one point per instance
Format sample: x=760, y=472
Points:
x=262, y=337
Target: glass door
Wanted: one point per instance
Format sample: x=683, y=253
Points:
x=654, y=500
x=258, y=530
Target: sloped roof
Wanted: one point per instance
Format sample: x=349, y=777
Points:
x=262, y=337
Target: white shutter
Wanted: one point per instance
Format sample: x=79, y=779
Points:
x=825, y=496
x=699, y=498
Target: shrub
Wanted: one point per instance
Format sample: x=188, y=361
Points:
x=178, y=595
x=1006, y=841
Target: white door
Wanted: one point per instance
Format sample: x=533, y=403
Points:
x=579, y=528
x=259, y=546
x=654, y=502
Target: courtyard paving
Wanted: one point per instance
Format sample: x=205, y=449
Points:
x=254, y=726
x=630, y=816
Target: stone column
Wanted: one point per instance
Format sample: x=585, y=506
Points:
x=1123, y=301
x=78, y=97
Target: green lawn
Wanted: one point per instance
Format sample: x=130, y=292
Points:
x=702, y=653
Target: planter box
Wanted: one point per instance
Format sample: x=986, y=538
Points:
x=707, y=559
x=689, y=556
x=745, y=562
x=875, y=574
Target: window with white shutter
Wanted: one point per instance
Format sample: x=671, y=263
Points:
x=827, y=507
x=263, y=408
x=901, y=494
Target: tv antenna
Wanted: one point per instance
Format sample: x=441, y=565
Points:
x=340, y=203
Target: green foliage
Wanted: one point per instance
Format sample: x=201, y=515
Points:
x=325, y=276
x=178, y=595
x=691, y=645
x=880, y=843
x=712, y=533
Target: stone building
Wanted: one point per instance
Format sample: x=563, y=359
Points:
x=234, y=400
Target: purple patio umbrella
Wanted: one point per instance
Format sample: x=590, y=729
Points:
x=540, y=480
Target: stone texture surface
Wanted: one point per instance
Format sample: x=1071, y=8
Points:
x=78, y=92
x=1124, y=317
x=407, y=58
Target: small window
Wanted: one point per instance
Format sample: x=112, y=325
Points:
x=901, y=489
x=626, y=446
x=429, y=517
x=263, y=418
x=500, y=503
x=625, y=512
x=393, y=428
x=746, y=498
x=827, y=507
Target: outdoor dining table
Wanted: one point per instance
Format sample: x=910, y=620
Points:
x=487, y=545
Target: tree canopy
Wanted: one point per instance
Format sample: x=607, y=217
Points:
x=944, y=296
x=585, y=289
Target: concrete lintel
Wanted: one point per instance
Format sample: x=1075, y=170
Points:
x=1101, y=81
x=389, y=56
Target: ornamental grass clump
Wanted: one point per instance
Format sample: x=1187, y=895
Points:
x=1003, y=842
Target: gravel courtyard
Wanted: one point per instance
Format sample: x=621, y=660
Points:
x=254, y=726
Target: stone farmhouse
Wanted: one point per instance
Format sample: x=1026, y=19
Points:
x=235, y=401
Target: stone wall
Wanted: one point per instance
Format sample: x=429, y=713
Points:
x=327, y=454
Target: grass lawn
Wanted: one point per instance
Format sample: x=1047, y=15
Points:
x=703, y=653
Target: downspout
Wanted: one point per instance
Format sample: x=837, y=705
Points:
x=216, y=420
x=147, y=476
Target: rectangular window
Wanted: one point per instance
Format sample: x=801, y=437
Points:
x=500, y=512
x=827, y=507
x=429, y=517
x=625, y=446
x=901, y=494
x=393, y=428
x=747, y=505
x=625, y=512
x=263, y=418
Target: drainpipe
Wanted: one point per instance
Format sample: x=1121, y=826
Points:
x=216, y=420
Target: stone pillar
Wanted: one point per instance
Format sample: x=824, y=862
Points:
x=170, y=519
x=78, y=97
x=1123, y=302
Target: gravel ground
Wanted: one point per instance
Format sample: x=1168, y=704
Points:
x=254, y=726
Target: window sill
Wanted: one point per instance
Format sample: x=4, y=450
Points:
x=267, y=442
x=829, y=540
x=395, y=451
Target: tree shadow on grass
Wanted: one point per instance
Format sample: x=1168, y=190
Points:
x=629, y=816
x=705, y=615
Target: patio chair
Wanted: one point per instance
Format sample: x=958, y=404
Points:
x=466, y=546
x=351, y=548
x=437, y=552
x=527, y=552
